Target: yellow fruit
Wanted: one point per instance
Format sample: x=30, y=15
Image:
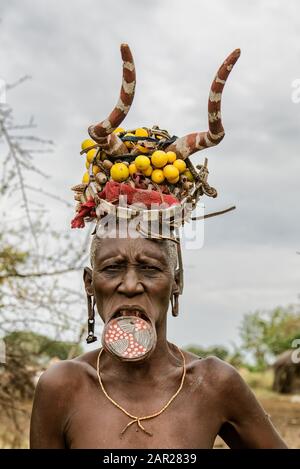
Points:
x=142, y=162
x=96, y=169
x=148, y=171
x=171, y=156
x=119, y=172
x=141, y=132
x=170, y=172
x=129, y=144
x=85, y=178
x=87, y=165
x=142, y=149
x=173, y=181
x=157, y=176
x=180, y=165
x=159, y=159
x=187, y=173
x=132, y=169
x=87, y=143
x=90, y=155
x=118, y=130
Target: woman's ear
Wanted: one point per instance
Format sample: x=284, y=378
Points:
x=88, y=280
x=176, y=290
x=176, y=283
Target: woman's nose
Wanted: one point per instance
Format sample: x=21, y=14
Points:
x=131, y=285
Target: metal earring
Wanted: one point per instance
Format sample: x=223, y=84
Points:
x=175, y=304
x=91, y=319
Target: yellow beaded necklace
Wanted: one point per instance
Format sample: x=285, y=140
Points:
x=134, y=418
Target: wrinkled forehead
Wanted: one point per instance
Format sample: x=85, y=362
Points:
x=129, y=248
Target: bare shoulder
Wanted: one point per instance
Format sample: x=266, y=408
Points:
x=55, y=399
x=245, y=424
x=211, y=366
x=219, y=370
x=68, y=373
x=215, y=373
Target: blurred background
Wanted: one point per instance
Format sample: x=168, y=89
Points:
x=60, y=72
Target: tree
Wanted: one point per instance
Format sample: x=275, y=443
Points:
x=35, y=257
x=37, y=348
x=36, y=264
x=217, y=351
x=266, y=334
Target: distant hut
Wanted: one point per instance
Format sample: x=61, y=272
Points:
x=286, y=374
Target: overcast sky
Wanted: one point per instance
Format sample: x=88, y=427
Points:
x=71, y=50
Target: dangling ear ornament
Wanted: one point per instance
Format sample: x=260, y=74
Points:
x=91, y=320
x=175, y=304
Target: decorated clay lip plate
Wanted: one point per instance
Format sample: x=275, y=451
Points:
x=129, y=338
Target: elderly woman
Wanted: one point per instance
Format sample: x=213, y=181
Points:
x=139, y=390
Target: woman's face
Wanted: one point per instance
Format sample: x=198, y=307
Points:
x=132, y=276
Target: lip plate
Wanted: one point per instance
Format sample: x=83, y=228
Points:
x=151, y=346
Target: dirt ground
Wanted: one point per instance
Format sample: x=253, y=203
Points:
x=284, y=411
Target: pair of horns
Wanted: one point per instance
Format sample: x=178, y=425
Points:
x=184, y=146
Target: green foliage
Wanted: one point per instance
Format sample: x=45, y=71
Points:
x=39, y=348
x=236, y=358
x=217, y=351
x=267, y=334
x=10, y=259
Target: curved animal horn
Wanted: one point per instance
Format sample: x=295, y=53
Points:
x=191, y=143
x=100, y=132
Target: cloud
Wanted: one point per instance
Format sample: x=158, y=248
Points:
x=72, y=52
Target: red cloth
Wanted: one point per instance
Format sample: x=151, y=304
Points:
x=86, y=210
x=113, y=190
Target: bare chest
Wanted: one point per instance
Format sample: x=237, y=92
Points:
x=190, y=421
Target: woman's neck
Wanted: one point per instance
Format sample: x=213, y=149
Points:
x=161, y=361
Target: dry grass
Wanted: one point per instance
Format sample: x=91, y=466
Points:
x=283, y=409
x=262, y=380
x=9, y=436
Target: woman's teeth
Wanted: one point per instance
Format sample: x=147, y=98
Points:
x=131, y=312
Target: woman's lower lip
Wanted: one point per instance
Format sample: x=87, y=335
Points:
x=129, y=338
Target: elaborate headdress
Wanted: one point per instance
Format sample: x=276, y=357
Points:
x=146, y=172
